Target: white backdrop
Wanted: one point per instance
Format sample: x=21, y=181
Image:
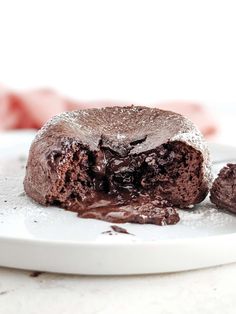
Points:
x=141, y=51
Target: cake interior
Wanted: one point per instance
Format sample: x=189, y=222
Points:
x=87, y=181
x=223, y=191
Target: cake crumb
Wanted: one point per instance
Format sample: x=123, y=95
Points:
x=116, y=229
x=107, y=232
x=120, y=229
x=35, y=274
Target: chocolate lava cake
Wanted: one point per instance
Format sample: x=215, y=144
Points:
x=223, y=191
x=119, y=164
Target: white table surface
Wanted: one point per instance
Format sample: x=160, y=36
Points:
x=203, y=291
x=210, y=290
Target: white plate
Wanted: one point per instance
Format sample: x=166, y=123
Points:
x=51, y=239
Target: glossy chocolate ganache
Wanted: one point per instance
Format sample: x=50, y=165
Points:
x=119, y=164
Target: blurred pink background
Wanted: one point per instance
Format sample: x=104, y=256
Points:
x=32, y=108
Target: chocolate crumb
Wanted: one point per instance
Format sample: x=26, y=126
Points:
x=35, y=274
x=120, y=230
x=116, y=229
x=5, y=201
x=35, y=221
x=107, y=232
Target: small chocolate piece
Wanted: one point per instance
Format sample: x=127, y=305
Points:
x=113, y=163
x=35, y=274
x=223, y=191
x=107, y=232
x=119, y=229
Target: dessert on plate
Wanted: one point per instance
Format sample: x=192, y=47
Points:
x=119, y=164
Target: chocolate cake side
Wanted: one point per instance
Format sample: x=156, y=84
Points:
x=110, y=158
x=223, y=191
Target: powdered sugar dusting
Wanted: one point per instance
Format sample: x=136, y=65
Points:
x=67, y=116
x=120, y=136
x=204, y=215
